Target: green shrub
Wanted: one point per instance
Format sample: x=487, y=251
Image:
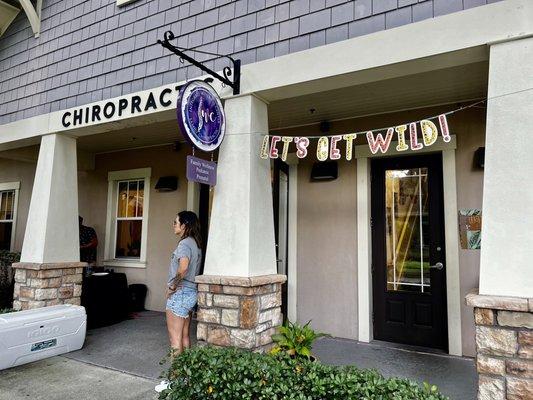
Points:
x=231, y=374
x=295, y=340
x=6, y=277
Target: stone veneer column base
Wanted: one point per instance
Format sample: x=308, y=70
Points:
x=504, y=344
x=239, y=312
x=41, y=285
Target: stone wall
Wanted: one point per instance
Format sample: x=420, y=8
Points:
x=42, y=285
x=239, y=312
x=504, y=344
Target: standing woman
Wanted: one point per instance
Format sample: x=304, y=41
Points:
x=182, y=291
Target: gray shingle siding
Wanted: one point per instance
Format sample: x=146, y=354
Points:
x=90, y=50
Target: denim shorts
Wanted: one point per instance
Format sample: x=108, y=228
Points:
x=182, y=301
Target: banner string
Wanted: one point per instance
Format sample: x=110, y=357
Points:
x=388, y=127
x=407, y=123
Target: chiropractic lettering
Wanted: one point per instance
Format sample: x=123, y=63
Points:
x=131, y=105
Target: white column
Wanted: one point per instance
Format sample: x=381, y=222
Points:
x=241, y=233
x=507, y=246
x=292, y=242
x=193, y=197
x=364, y=251
x=52, y=233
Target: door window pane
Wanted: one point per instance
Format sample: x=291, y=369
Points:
x=407, y=231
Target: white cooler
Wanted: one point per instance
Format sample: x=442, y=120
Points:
x=32, y=335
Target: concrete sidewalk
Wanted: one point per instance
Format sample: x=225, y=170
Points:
x=137, y=345
x=60, y=378
x=456, y=377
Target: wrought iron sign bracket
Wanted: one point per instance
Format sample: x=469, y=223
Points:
x=234, y=83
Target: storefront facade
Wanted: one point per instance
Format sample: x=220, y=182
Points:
x=90, y=139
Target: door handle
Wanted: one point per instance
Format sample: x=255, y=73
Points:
x=279, y=260
x=438, y=266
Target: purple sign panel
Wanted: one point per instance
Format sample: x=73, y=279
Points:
x=201, y=171
x=201, y=116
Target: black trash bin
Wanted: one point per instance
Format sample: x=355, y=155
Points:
x=105, y=298
x=137, y=296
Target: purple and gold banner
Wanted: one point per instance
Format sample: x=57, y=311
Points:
x=274, y=146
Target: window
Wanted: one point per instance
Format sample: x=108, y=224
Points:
x=8, y=209
x=127, y=217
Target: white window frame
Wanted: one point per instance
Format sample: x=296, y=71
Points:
x=113, y=178
x=12, y=186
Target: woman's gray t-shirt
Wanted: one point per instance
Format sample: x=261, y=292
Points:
x=186, y=248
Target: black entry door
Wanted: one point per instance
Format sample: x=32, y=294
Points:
x=204, y=211
x=280, y=191
x=409, y=278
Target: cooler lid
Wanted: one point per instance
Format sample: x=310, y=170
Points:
x=41, y=314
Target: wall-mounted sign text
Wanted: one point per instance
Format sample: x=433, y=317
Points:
x=201, y=116
x=201, y=171
x=118, y=107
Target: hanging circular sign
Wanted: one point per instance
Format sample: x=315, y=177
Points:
x=201, y=117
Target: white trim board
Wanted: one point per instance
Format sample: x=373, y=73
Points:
x=10, y=186
x=129, y=174
x=124, y=2
x=451, y=233
x=364, y=251
x=451, y=239
x=292, y=240
x=34, y=14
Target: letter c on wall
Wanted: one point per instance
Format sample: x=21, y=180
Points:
x=63, y=120
x=162, y=101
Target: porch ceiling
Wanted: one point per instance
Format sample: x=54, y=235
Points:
x=156, y=133
x=445, y=86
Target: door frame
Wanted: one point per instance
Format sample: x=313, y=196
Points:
x=451, y=235
x=437, y=336
x=292, y=237
x=280, y=166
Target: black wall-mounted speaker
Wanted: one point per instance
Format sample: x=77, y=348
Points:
x=167, y=184
x=325, y=171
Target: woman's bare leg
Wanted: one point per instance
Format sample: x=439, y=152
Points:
x=175, y=331
x=185, y=333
